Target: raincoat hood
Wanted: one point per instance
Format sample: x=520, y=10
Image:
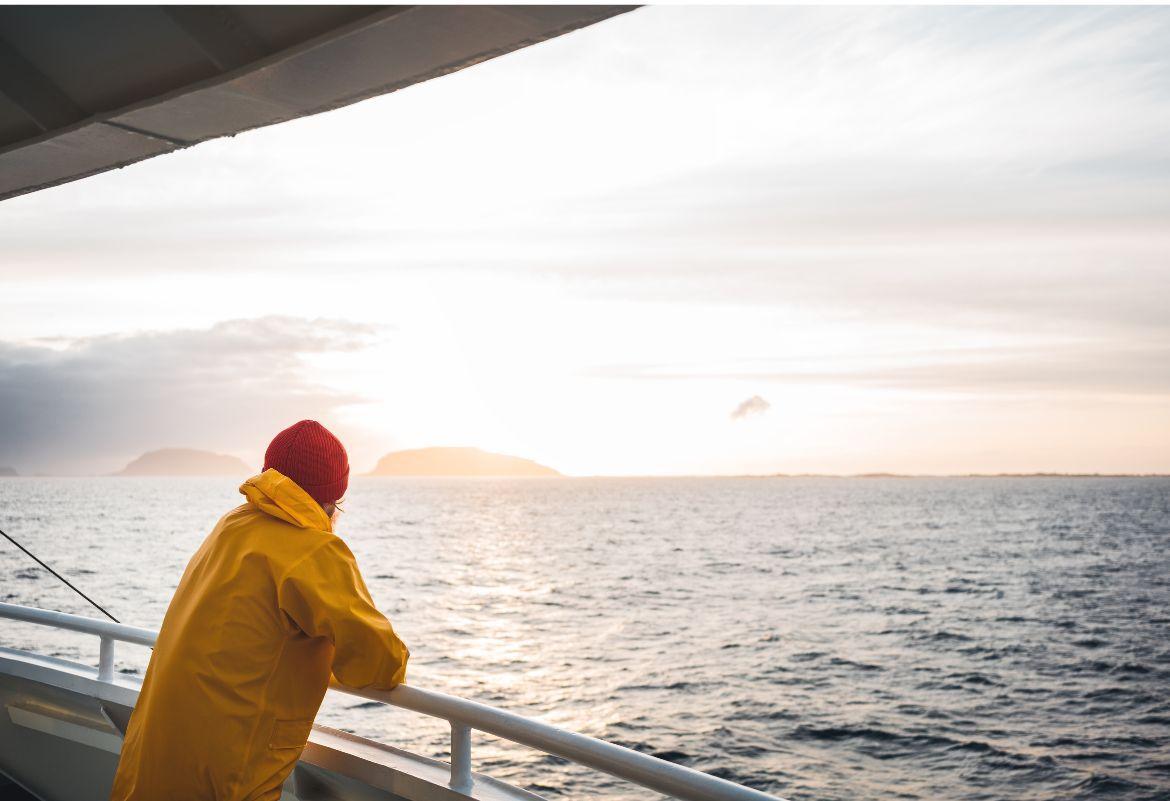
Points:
x=279, y=496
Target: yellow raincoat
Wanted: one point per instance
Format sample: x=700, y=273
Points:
x=268, y=606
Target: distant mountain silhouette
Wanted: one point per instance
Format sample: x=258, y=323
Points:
x=185, y=462
x=8, y=472
x=457, y=462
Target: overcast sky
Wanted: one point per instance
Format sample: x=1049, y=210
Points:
x=685, y=240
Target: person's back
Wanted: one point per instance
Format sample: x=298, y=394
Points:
x=270, y=604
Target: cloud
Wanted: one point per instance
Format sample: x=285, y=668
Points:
x=98, y=401
x=752, y=406
x=1087, y=368
x=826, y=119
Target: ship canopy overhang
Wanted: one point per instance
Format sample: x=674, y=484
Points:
x=85, y=89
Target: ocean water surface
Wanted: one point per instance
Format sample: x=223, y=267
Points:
x=815, y=638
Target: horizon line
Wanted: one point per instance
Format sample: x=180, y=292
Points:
x=865, y=475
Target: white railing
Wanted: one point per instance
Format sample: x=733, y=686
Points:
x=464, y=716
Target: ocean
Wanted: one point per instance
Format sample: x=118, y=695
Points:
x=817, y=638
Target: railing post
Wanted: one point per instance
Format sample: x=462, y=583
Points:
x=106, y=659
x=460, y=757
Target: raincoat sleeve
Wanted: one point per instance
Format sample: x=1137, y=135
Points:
x=324, y=595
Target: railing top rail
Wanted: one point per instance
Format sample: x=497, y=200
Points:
x=647, y=771
x=87, y=625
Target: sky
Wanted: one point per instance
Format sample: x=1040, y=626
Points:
x=685, y=240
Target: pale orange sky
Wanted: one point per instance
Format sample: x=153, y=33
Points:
x=926, y=239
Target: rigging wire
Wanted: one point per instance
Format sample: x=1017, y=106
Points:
x=66, y=581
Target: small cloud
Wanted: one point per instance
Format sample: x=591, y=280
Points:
x=752, y=406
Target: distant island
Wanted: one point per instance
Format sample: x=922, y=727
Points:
x=8, y=472
x=185, y=462
x=457, y=462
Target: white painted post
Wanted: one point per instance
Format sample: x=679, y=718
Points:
x=106, y=660
x=460, y=757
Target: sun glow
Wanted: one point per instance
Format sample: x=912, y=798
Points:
x=591, y=252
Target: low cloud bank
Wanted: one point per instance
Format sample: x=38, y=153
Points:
x=92, y=405
x=1104, y=368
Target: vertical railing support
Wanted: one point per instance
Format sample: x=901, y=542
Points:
x=460, y=757
x=106, y=659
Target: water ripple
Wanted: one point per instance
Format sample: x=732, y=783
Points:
x=816, y=638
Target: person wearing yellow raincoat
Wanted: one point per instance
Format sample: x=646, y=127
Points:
x=270, y=605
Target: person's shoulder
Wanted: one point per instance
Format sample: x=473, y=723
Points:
x=326, y=543
x=278, y=540
x=317, y=553
x=242, y=512
x=246, y=518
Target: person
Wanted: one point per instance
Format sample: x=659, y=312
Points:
x=268, y=607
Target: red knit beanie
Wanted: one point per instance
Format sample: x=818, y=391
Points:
x=311, y=456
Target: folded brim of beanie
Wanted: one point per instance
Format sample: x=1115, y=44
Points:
x=326, y=494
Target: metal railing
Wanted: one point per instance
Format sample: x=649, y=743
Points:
x=463, y=715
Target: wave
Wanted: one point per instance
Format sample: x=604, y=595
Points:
x=1102, y=785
